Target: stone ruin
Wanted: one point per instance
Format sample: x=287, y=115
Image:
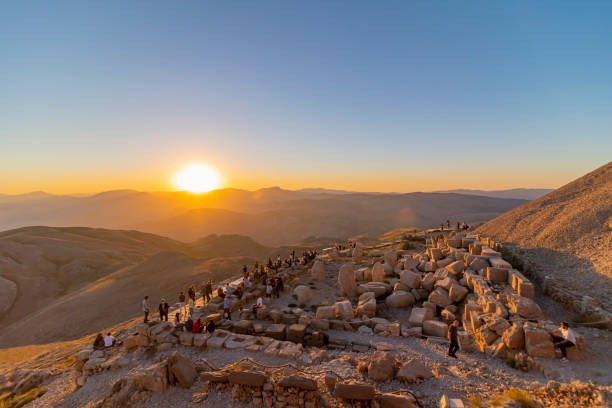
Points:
x=458, y=276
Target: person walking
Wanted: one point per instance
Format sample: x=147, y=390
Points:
x=145, y=309
x=164, y=308
x=226, y=308
x=452, y=338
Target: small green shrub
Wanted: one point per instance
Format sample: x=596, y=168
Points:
x=291, y=305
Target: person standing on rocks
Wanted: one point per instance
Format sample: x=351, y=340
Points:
x=181, y=299
x=164, y=307
x=145, y=309
x=191, y=291
x=208, y=290
x=452, y=338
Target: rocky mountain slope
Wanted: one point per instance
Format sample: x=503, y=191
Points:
x=567, y=232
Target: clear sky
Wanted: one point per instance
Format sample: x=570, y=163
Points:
x=373, y=96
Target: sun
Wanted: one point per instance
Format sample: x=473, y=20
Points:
x=197, y=178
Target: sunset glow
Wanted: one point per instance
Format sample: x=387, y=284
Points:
x=197, y=178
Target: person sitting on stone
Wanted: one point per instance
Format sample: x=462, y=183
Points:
x=197, y=326
x=228, y=289
x=99, y=342
x=177, y=321
x=211, y=326
x=109, y=340
x=188, y=325
x=567, y=339
x=257, y=306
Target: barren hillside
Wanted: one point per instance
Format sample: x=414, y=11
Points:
x=68, y=282
x=568, y=232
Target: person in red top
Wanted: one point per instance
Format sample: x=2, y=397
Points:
x=197, y=326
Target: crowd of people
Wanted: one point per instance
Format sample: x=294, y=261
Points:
x=460, y=225
x=259, y=273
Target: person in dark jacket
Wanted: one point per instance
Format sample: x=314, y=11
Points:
x=452, y=338
x=189, y=325
x=211, y=326
x=164, y=308
x=99, y=342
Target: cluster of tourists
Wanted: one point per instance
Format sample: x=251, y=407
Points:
x=258, y=273
x=460, y=225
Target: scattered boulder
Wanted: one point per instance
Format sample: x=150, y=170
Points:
x=354, y=391
x=400, y=298
x=318, y=270
x=413, y=370
x=303, y=293
x=181, y=371
x=381, y=366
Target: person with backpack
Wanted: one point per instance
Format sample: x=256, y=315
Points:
x=164, y=308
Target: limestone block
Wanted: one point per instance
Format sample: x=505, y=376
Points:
x=440, y=297
x=497, y=274
x=400, y=298
x=457, y=292
x=418, y=315
x=513, y=337
x=276, y=331
x=354, y=391
x=524, y=307
x=344, y=310
x=499, y=263
x=538, y=342
x=435, y=328
x=455, y=268
x=410, y=279
x=303, y=293
x=428, y=281
x=326, y=312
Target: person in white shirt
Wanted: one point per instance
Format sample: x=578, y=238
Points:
x=109, y=340
x=567, y=339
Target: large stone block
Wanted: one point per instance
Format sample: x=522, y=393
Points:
x=249, y=378
x=497, y=274
x=410, y=279
x=435, y=328
x=296, y=332
x=216, y=339
x=378, y=288
x=428, y=281
x=524, y=307
x=457, y=292
x=455, y=268
x=440, y=297
x=538, y=342
x=400, y=298
x=418, y=315
x=276, y=331
x=326, y=312
x=303, y=293
x=344, y=310
x=513, y=337
x=499, y=263
x=354, y=390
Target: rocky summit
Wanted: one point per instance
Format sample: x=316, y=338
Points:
x=355, y=326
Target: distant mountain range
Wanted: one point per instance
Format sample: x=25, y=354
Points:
x=272, y=216
x=520, y=193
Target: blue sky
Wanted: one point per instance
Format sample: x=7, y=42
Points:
x=385, y=96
